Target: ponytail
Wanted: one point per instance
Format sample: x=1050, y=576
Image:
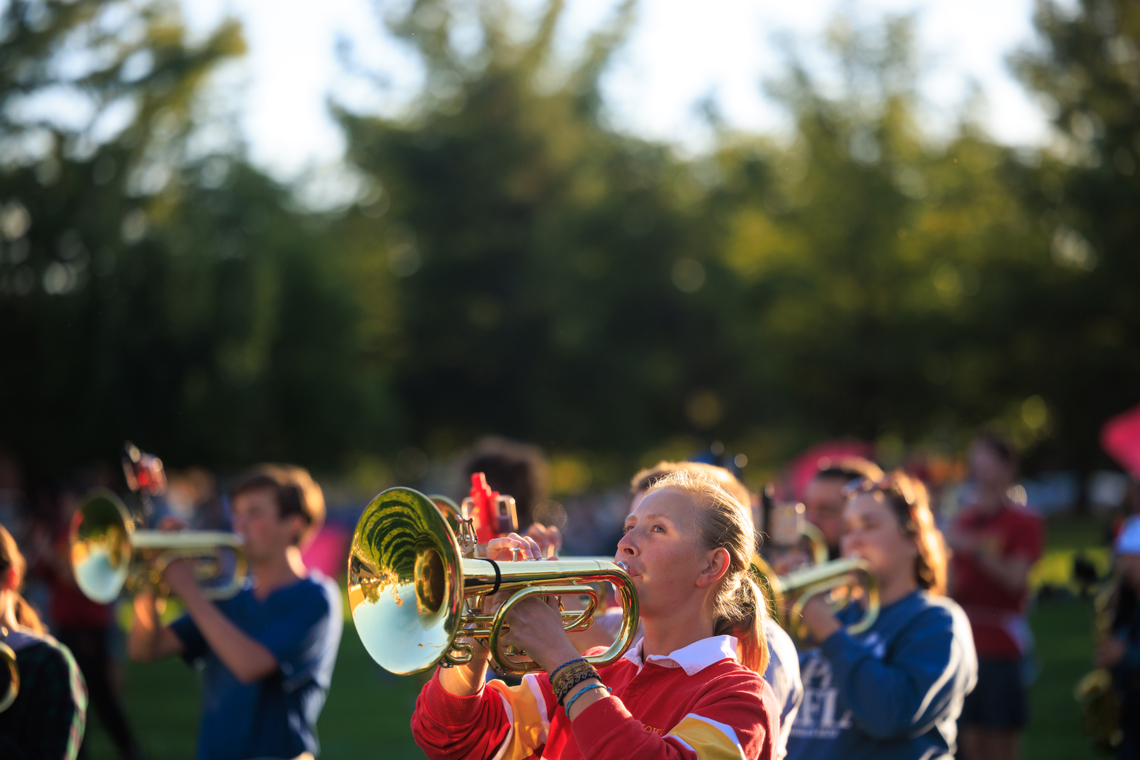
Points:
x=743, y=617
x=11, y=558
x=726, y=523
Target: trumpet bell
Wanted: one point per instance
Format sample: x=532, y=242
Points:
x=101, y=547
x=404, y=586
x=108, y=554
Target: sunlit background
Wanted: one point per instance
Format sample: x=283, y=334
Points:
x=676, y=60
x=363, y=236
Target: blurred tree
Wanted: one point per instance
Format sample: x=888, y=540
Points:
x=151, y=288
x=878, y=262
x=552, y=277
x=1086, y=194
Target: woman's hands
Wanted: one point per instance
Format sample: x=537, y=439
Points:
x=531, y=614
x=819, y=620
x=533, y=626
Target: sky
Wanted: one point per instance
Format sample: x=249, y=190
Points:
x=679, y=53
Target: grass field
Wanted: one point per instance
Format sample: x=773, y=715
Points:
x=368, y=710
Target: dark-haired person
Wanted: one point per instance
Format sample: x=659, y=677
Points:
x=1120, y=650
x=680, y=692
x=895, y=691
x=995, y=543
x=824, y=500
x=513, y=468
x=46, y=720
x=269, y=651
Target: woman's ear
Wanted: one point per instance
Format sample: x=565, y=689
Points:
x=718, y=564
x=8, y=580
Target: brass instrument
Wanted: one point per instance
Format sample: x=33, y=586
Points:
x=108, y=554
x=9, y=677
x=837, y=581
x=1100, y=702
x=413, y=593
x=817, y=542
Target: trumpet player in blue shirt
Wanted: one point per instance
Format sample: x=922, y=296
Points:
x=893, y=692
x=267, y=653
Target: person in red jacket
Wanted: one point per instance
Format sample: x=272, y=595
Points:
x=995, y=544
x=690, y=688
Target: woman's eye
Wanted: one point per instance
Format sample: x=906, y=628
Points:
x=658, y=528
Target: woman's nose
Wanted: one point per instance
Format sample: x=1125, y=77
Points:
x=627, y=545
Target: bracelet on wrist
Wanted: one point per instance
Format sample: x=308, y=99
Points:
x=554, y=673
x=591, y=687
x=571, y=677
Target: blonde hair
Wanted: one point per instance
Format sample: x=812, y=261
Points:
x=11, y=558
x=725, y=523
x=646, y=478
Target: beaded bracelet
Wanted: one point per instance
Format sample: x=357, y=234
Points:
x=569, y=671
x=571, y=678
x=591, y=687
x=554, y=673
x=568, y=678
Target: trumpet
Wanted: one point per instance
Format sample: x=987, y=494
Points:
x=413, y=593
x=835, y=581
x=108, y=554
x=817, y=542
x=9, y=677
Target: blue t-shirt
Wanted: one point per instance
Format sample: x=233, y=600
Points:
x=892, y=693
x=275, y=717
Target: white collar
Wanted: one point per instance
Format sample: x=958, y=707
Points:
x=692, y=658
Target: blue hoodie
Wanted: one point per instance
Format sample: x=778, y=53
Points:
x=891, y=693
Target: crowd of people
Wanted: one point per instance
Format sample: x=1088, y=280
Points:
x=941, y=672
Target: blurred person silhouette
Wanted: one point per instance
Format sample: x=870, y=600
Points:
x=518, y=470
x=1129, y=508
x=86, y=627
x=1120, y=651
x=47, y=718
x=268, y=652
x=823, y=495
x=995, y=543
x=783, y=671
x=894, y=691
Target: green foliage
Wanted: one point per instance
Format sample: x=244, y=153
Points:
x=1086, y=196
x=149, y=293
x=518, y=266
x=534, y=250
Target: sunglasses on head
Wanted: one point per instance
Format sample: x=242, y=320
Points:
x=888, y=486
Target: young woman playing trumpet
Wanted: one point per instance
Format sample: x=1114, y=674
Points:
x=893, y=692
x=691, y=688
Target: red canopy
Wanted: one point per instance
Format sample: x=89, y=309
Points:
x=1120, y=437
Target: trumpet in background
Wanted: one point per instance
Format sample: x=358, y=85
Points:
x=108, y=554
x=839, y=582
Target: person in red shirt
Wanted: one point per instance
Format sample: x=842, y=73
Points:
x=995, y=543
x=690, y=688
